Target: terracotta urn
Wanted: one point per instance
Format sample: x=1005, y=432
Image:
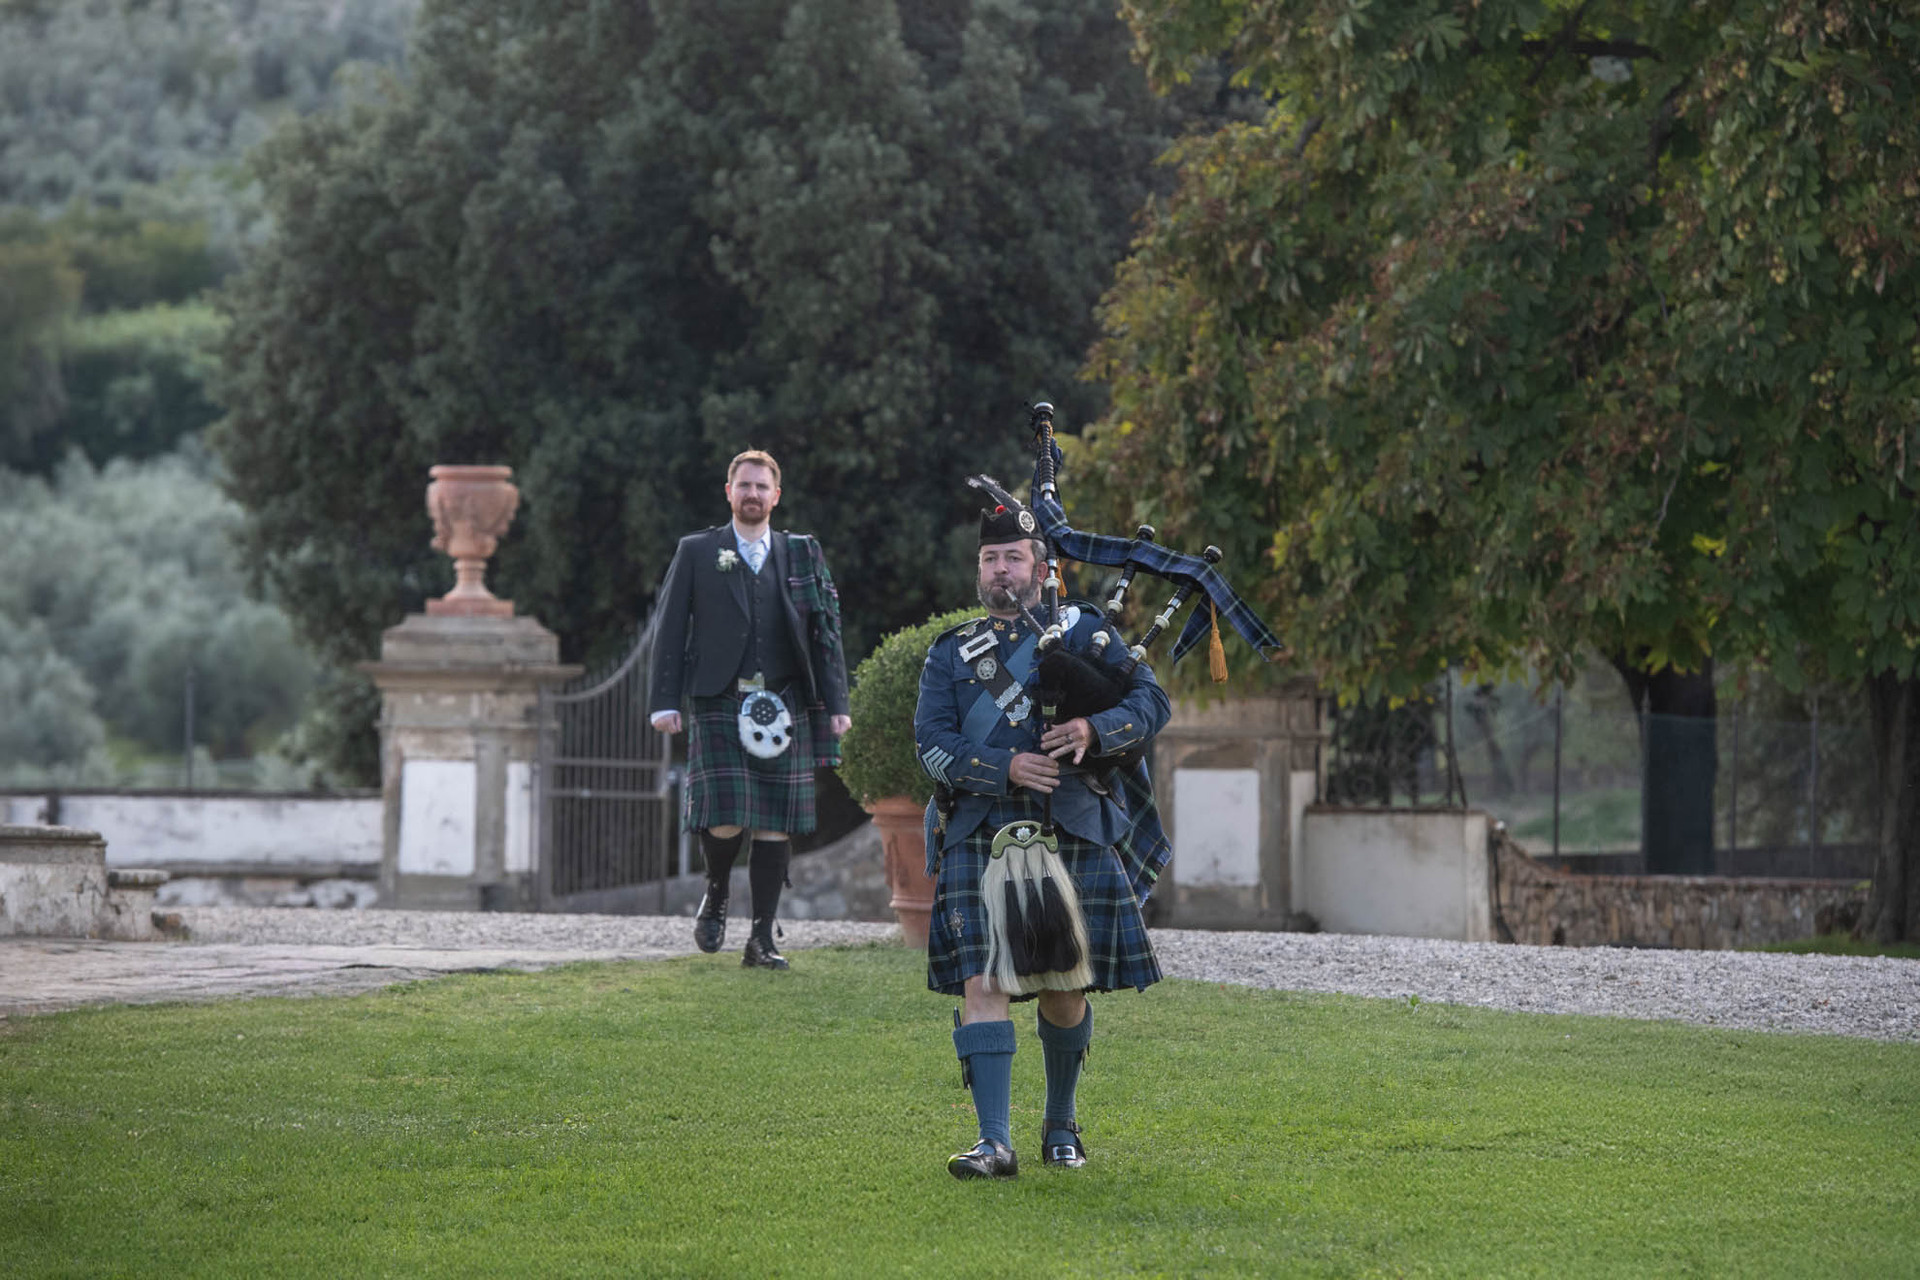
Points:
x=902, y=824
x=471, y=508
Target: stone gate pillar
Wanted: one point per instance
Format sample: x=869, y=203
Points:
x=1233, y=780
x=459, y=688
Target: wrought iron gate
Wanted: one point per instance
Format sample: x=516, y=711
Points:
x=604, y=790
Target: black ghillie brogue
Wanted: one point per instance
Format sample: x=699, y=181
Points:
x=710, y=924
x=760, y=952
x=989, y=1159
x=1071, y=1154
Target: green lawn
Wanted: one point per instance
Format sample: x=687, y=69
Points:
x=694, y=1118
x=1591, y=821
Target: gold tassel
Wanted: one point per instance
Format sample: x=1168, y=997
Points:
x=1216, y=653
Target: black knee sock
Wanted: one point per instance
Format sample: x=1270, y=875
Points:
x=720, y=851
x=766, y=873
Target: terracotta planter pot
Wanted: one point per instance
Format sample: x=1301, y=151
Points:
x=471, y=508
x=902, y=824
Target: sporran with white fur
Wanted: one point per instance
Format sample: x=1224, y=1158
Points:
x=1036, y=932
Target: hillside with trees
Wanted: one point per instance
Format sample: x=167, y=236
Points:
x=124, y=204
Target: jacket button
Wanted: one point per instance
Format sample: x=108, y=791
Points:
x=976, y=759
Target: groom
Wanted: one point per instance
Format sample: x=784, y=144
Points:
x=750, y=633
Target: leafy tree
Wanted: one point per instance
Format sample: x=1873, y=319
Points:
x=50, y=721
x=1792, y=259
x=127, y=577
x=131, y=262
x=612, y=245
x=148, y=107
x=136, y=381
x=1506, y=332
x=39, y=290
x=94, y=353
x=1371, y=336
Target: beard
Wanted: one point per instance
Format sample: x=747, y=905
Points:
x=1009, y=597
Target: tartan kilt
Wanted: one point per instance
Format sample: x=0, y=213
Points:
x=726, y=787
x=1121, y=954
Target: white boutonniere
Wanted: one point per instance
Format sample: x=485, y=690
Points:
x=728, y=559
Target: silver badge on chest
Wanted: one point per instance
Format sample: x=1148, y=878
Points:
x=766, y=729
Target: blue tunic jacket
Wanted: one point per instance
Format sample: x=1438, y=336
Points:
x=971, y=752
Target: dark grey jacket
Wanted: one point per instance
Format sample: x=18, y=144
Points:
x=703, y=620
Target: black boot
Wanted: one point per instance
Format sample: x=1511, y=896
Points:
x=710, y=924
x=761, y=953
x=766, y=873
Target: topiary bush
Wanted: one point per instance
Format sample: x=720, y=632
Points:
x=877, y=756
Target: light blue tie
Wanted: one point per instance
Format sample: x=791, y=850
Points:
x=756, y=555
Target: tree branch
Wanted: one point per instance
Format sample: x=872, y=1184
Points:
x=1548, y=48
x=1593, y=48
x=1307, y=131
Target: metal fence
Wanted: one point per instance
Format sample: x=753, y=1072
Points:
x=1569, y=775
x=605, y=790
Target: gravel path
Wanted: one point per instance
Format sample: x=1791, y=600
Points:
x=279, y=950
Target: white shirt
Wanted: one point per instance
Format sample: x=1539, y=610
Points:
x=754, y=552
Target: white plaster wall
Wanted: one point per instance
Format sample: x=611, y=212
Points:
x=1410, y=873
x=1216, y=819
x=519, y=816
x=437, y=817
x=22, y=811
x=1302, y=790
x=156, y=830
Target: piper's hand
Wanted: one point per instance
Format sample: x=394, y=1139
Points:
x=1034, y=772
x=840, y=725
x=1076, y=735
x=667, y=722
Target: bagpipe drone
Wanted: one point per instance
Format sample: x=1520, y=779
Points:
x=1075, y=685
x=1036, y=930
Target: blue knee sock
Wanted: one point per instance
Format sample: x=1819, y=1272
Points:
x=987, y=1049
x=1064, y=1048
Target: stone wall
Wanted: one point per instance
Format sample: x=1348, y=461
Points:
x=1537, y=905
x=55, y=883
x=203, y=833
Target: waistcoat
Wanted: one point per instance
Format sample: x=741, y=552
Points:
x=769, y=648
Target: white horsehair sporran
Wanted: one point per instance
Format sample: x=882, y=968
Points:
x=1036, y=932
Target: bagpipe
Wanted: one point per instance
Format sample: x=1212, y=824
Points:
x=1073, y=684
x=1036, y=930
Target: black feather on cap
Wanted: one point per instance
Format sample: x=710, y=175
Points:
x=1007, y=520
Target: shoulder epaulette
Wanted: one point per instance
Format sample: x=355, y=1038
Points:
x=961, y=629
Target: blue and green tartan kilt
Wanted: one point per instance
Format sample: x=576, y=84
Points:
x=1122, y=956
x=726, y=787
